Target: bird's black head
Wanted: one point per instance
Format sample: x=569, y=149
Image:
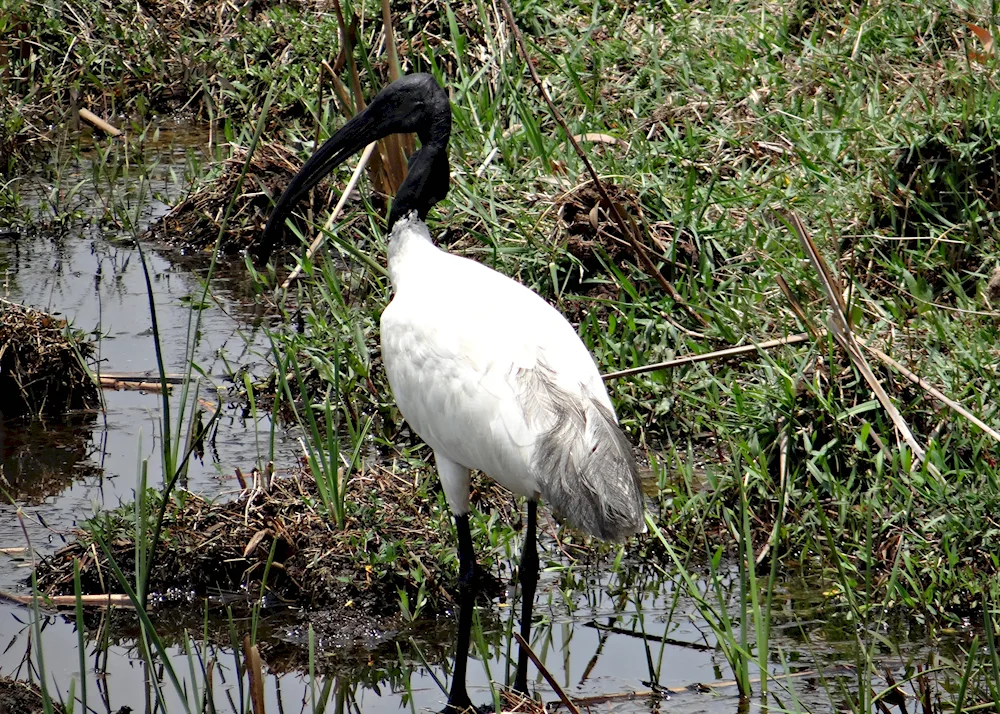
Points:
x=414, y=103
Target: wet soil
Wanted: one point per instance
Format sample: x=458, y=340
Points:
x=279, y=542
x=591, y=232
x=22, y=698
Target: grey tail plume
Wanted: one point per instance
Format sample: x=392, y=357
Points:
x=586, y=470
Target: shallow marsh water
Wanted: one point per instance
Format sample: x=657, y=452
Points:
x=59, y=474
x=594, y=644
x=585, y=655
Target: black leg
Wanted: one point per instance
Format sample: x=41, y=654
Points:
x=466, y=555
x=458, y=697
x=529, y=580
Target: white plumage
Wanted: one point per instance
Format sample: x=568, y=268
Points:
x=466, y=350
x=484, y=370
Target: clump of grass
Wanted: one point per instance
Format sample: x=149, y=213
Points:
x=396, y=538
x=193, y=224
x=16, y=147
x=43, y=365
x=947, y=174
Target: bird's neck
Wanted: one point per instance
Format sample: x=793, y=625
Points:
x=410, y=247
x=427, y=176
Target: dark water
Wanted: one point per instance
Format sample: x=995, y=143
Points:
x=592, y=643
x=596, y=647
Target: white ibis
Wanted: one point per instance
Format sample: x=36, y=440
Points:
x=486, y=372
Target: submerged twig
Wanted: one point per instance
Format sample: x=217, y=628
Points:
x=673, y=642
x=169, y=378
x=129, y=385
x=101, y=600
x=699, y=686
x=92, y=118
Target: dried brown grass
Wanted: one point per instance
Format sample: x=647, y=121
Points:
x=42, y=368
x=394, y=536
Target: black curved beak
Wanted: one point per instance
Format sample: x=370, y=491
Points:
x=414, y=103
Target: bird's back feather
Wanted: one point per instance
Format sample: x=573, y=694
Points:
x=591, y=478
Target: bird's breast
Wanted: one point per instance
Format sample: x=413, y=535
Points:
x=453, y=393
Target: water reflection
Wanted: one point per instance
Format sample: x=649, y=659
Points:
x=39, y=459
x=79, y=265
x=92, y=276
x=628, y=654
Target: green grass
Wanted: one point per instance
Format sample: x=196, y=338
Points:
x=869, y=123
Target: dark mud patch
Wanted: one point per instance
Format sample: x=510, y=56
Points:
x=22, y=698
x=42, y=365
x=363, y=646
x=940, y=197
x=194, y=224
x=359, y=643
x=396, y=542
x=946, y=177
x=592, y=236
